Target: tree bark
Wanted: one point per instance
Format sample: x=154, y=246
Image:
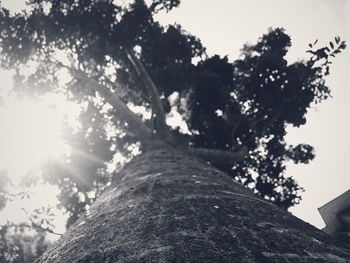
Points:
x=167, y=206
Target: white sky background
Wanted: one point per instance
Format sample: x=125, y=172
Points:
x=225, y=25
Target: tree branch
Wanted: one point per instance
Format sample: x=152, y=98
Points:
x=160, y=119
x=219, y=157
x=36, y=225
x=137, y=126
x=269, y=121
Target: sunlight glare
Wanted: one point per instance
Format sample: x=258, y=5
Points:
x=30, y=134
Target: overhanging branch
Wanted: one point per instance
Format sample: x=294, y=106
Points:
x=136, y=125
x=219, y=157
x=157, y=108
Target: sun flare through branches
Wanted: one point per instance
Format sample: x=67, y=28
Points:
x=31, y=133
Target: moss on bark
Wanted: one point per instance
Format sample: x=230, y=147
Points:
x=166, y=206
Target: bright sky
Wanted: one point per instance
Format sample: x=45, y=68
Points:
x=30, y=134
x=225, y=25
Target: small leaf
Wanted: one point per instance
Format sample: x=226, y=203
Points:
x=337, y=39
x=342, y=45
x=310, y=45
x=315, y=42
x=331, y=44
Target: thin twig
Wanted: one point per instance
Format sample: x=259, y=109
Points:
x=38, y=226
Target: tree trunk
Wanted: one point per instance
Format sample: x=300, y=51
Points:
x=166, y=206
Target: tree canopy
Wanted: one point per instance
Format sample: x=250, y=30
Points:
x=116, y=58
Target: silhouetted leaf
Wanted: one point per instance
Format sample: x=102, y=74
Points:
x=337, y=39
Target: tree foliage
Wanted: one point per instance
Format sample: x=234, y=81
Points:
x=18, y=245
x=117, y=54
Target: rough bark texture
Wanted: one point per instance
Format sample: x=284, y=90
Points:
x=166, y=206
